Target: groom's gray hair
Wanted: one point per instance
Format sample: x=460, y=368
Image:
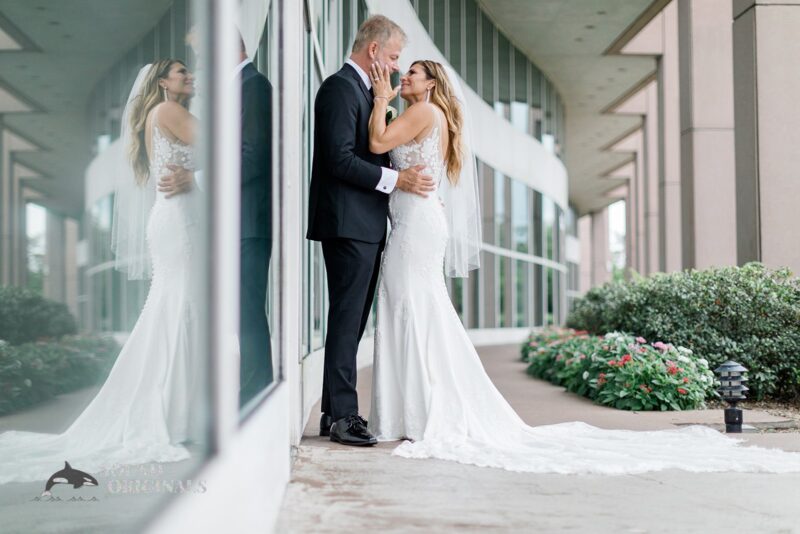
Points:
x=377, y=28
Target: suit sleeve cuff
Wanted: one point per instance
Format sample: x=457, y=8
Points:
x=388, y=180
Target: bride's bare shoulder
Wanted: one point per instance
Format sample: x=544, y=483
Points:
x=423, y=113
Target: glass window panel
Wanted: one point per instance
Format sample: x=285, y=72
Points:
x=522, y=293
x=348, y=32
x=67, y=267
x=549, y=222
x=488, y=60
x=439, y=25
x=520, y=82
x=538, y=224
x=550, y=318
x=503, y=283
x=489, y=280
x=500, y=210
x=486, y=182
x=424, y=12
x=455, y=20
x=471, y=24
x=503, y=68
x=363, y=12
x=520, y=216
x=474, y=299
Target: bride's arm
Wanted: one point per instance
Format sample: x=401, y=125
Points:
x=383, y=138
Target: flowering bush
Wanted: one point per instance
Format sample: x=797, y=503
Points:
x=748, y=314
x=623, y=371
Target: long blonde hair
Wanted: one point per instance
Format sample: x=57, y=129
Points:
x=150, y=96
x=442, y=96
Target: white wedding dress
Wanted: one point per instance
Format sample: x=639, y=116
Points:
x=146, y=408
x=430, y=388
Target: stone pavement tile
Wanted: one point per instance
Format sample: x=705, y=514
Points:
x=335, y=487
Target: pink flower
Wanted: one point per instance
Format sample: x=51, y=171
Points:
x=685, y=379
x=640, y=339
x=682, y=391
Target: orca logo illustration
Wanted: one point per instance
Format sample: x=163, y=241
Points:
x=68, y=475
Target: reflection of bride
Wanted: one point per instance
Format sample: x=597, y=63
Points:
x=145, y=409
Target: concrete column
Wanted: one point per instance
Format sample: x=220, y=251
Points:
x=585, y=238
x=19, y=237
x=5, y=208
x=54, y=258
x=708, y=171
x=600, y=272
x=766, y=89
x=71, y=234
x=670, y=228
x=640, y=247
x=651, y=158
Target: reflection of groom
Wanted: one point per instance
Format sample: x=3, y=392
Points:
x=256, y=231
x=348, y=205
x=256, y=224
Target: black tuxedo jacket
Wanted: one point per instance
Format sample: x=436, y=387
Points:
x=256, y=154
x=343, y=201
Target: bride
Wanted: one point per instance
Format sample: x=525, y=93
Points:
x=146, y=409
x=429, y=387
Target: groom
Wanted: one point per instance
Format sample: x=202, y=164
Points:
x=348, y=207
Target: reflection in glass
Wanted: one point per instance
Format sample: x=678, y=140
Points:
x=93, y=380
x=257, y=354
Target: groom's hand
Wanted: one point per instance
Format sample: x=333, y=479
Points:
x=412, y=180
x=177, y=182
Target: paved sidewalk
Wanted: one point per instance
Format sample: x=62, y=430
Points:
x=336, y=488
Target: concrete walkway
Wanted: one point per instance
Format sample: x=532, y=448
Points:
x=336, y=488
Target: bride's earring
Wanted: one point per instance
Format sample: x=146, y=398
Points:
x=428, y=94
x=166, y=96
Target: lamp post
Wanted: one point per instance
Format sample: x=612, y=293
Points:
x=732, y=389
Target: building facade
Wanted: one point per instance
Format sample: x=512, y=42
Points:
x=574, y=108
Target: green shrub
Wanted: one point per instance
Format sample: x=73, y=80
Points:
x=749, y=314
x=33, y=372
x=27, y=316
x=624, y=372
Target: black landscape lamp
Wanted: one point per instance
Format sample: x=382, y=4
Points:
x=732, y=389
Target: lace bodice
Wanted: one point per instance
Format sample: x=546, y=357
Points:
x=168, y=152
x=427, y=152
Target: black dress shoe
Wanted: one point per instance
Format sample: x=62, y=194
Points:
x=325, y=423
x=352, y=430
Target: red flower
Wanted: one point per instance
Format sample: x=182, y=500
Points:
x=672, y=370
x=613, y=363
x=682, y=391
x=685, y=379
x=626, y=359
x=601, y=379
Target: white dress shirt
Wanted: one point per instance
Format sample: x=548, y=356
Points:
x=388, y=176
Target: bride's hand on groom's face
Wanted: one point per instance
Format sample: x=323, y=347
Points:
x=382, y=82
x=413, y=180
x=179, y=181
